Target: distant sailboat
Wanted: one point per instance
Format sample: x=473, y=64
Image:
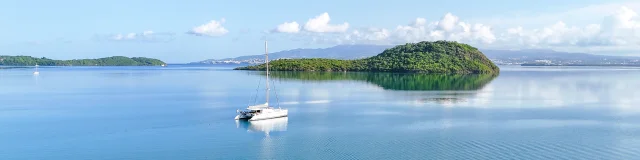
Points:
x=36, y=72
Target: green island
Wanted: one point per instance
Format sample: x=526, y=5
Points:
x=421, y=57
x=107, y=61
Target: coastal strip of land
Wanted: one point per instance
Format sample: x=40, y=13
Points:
x=107, y=61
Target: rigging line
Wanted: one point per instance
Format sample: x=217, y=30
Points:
x=274, y=90
x=255, y=99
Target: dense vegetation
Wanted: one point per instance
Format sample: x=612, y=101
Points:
x=422, y=57
x=108, y=61
x=397, y=81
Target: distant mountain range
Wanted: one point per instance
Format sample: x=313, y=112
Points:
x=551, y=57
x=500, y=57
x=336, y=52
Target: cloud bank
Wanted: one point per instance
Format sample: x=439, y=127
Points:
x=288, y=27
x=145, y=36
x=620, y=28
x=318, y=24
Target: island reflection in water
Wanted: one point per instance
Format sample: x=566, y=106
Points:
x=397, y=81
x=267, y=126
x=436, y=88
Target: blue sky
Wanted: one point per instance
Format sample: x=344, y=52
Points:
x=177, y=31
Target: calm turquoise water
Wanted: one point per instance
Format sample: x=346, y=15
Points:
x=186, y=112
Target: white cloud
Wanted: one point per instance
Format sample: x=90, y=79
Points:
x=321, y=24
x=367, y=36
x=148, y=36
x=212, y=29
x=128, y=36
x=448, y=22
x=288, y=27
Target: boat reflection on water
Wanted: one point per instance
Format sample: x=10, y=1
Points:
x=268, y=144
x=266, y=126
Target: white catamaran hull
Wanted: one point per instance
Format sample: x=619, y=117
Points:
x=277, y=113
x=265, y=114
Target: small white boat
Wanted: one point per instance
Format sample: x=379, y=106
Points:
x=262, y=111
x=36, y=72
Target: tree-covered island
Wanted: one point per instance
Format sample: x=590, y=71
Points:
x=107, y=61
x=422, y=57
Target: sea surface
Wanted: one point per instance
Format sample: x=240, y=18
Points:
x=186, y=112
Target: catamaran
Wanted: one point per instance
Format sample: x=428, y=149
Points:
x=262, y=111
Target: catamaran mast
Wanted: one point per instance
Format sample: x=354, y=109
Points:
x=266, y=53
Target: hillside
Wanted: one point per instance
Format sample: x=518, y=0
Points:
x=336, y=52
x=422, y=57
x=107, y=61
